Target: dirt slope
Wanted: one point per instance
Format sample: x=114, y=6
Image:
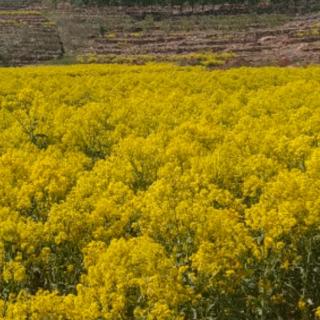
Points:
x=26, y=35
x=29, y=36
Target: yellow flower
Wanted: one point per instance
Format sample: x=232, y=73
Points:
x=148, y=191
x=302, y=304
x=230, y=273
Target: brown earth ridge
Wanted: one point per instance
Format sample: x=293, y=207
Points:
x=34, y=33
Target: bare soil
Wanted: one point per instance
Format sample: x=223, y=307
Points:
x=47, y=33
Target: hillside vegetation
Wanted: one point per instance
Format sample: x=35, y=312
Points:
x=240, y=5
x=34, y=32
x=159, y=192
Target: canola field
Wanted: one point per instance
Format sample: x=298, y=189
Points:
x=159, y=192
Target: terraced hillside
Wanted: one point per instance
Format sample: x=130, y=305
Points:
x=256, y=40
x=45, y=34
x=27, y=37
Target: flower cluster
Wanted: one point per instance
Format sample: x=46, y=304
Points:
x=159, y=192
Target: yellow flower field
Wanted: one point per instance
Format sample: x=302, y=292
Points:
x=159, y=192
